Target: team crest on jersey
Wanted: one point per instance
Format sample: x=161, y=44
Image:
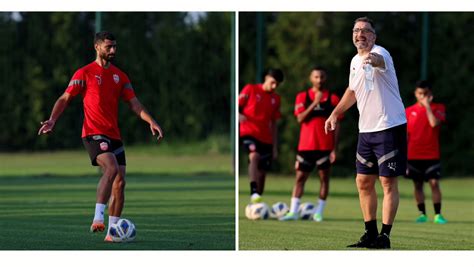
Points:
x=99, y=79
x=104, y=146
x=116, y=78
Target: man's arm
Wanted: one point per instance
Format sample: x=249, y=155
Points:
x=332, y=156
x=376, y=60
x=140, y=110
x=426, y=101
x=60, y=105
x=302, y=116
x=348, y=99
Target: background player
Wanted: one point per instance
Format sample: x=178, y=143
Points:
x=315, y=148
x=102, y=85
x=423, y=126
x=259, y=110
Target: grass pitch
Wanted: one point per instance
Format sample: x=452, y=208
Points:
x=47, y=201
x=343, y=223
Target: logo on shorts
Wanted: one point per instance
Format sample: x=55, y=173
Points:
x=392, y=166
x=104, y=146
x=116, y=78
x=252, y=147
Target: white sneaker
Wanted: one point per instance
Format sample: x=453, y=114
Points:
x=318, y=217
x=255, y=198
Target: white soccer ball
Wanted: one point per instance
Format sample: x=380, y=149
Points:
x=278, y=210
x=306, y=210
x=123, y=231
x=257, y=211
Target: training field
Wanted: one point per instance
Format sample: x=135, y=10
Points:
x=47, y=201
x=343, y=222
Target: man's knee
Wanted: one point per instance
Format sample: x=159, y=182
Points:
x=389, y=184
x=434, y=183
x=254, y=157
x=365, y=183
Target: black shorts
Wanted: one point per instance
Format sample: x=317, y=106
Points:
x=383, y=152
x=265, y=151
x=307, y=160
x=98, y=144
x=423, y=170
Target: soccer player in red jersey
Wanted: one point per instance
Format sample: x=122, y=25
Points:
x=101, y=86
x=259, y=109
x=315, y=148
x=424, y=119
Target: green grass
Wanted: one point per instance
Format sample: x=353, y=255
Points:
x=343, y=223
x=177, y=202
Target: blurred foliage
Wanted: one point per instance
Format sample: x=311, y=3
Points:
x=295, y=42
x=179, y=66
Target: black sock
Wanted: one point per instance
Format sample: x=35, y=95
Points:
x=386, y=228
x=421, y=208
x=371, y=228
x=437, y=208
x=253, y=188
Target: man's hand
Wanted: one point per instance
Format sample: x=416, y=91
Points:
x=426, y=100
x=375, y=60
x=332, y=156
x=46, y=127
x=156, y=130
x=330, y=124
x=317, y=97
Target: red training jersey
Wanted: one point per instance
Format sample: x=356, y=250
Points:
x=423, y=140
x=101, y=89
x=261, y=108
x=312, y=135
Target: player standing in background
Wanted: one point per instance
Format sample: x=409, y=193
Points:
x=101, y=86
x=315, y=148
x=259, y=110
x=423, y=126
x=382, y=144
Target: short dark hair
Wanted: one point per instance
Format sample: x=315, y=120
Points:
x=319, y=68
x=277, y=74
x=425, y=84
x=366, y=19
x=102, y=36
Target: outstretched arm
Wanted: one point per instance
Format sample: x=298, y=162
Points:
x=60, y=105
x=140, y=110
x=348, y=99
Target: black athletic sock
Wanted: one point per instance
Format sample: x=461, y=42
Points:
x=437, y=208
x=253, y=188
x=386, y=228
x=422, y=208
x=371, y=228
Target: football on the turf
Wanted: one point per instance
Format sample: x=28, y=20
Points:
x=257, y=211
x=278, y=210
x=306, y=211
x=123, y=231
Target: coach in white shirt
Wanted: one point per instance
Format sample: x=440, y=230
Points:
x=381, y=148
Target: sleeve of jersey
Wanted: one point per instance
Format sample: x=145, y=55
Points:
x=77, y=83
x=440, y=113
x=334, y=101
x=244, y=96
x=299, y=104
x=127, y=90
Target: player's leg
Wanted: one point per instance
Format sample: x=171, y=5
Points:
x=298, y=190
x=323, y=193
x=117, y=199
x=110, y=168
x=420, y=200
x=368, y=204
x=436, y=196
x=254, y=176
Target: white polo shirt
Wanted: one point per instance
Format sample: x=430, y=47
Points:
x=380, y=105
